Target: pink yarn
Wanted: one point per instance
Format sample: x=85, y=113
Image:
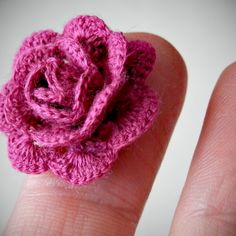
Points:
x=75, y=99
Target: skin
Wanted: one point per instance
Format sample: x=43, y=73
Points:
x=112, y=205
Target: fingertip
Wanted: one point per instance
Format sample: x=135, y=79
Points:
x=169, y=75
x=206, y=206
x=169, y=60
x=227, y=77
x=223, y=94
x=229, y=70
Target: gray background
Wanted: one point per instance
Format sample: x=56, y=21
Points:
x=203, y=31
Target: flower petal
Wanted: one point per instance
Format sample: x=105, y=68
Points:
x=87, y=28
x=40, y=38
x=30, y=61
x=25, y=156
x=117, y=52
x=15, y=109
x=83, y=163
x=141, y=57
x=116, y=59
x=4, y=126
x=135, y=113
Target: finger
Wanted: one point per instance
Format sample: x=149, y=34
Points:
x=111, y=205
x=208, y=202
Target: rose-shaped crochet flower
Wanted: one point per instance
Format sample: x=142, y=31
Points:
x=75, y=99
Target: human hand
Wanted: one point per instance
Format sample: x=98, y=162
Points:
x=112, y=205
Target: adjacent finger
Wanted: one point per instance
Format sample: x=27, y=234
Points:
x=111, y=205
x=208, y=202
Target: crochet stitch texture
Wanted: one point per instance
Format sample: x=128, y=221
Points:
x=75, y=99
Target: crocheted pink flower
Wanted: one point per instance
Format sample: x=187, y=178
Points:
x=75, y=99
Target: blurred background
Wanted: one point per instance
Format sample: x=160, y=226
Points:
x=203, y=32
